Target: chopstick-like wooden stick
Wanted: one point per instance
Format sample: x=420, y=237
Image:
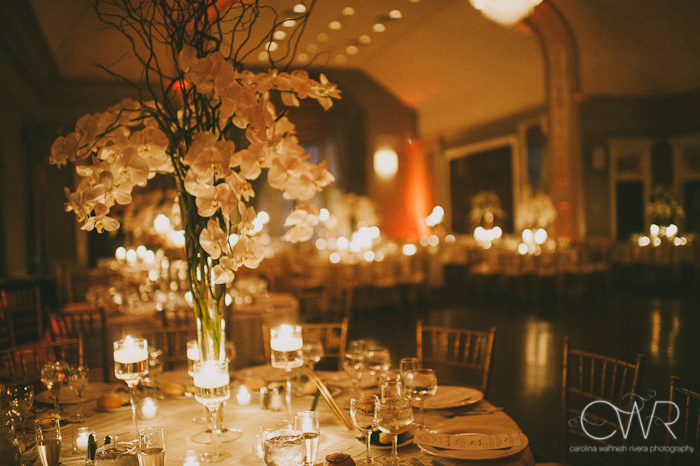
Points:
x=329, y=398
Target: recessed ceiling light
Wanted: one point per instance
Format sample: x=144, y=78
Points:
x=263, y=56
x=313, y=48
x=364, y=39
x=299, y=8
x=322, y=37
x=335, y=25
x=279, y=35
x=414, y=1
x=340, y=59
x=379, y=27
x=351, y=50
x=348, y=11
x=303, y=58
x=289, y=23
x=271, y=46
x=395, y=14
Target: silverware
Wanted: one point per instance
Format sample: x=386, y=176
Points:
x=416, y=462
x=451, y=414
x=436, y=463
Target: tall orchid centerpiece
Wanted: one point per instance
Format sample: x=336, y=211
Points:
x=195, y=99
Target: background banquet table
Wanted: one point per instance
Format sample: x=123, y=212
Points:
x=176, y=416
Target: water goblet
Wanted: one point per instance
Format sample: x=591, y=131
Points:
x=286, y=344
x=21, y=401
x=55, y=375
x=353, y=365
x=392, y=389
x=284, y=447
x=363, y=410
x=150, y=449
x=211, y=381
x=116, y=454
x=420, y=384
x=394, y=415
x=77, y=381
x=405, y=365
x=377, y=360
x=265, y=427
x=307, y=422
x=48, y=440
x=130, y=365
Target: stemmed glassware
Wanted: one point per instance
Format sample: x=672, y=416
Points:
x=21, y=401
x=406, y=365
x=354, y=365
x=394, y=415
x=77, y=381
x=48, y=440
x=420, y=384
x=211, y=381
x=312, y=352
x=307, y=422
x=130, y=364
x=284, y=447
x=286, y=344
x=363, y=410
x=54, y=375
x=377, y=360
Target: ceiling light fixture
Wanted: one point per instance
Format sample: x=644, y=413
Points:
x=505, y=12
x=379, y=27
x=395, y=14
x=348, y=11
x=334, y=25
x=299, y=8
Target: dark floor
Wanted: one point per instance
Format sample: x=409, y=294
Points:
x=526, y=375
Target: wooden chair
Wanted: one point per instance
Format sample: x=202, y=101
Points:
x=91, y=325
x=588, y=377
x=333, y=336
x=686, y=423
x=21, y=313
x=172, y=341
x=470, y=351
x=24, y=363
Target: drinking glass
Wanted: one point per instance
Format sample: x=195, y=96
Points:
x=392, y=389
x=420, y=384
x=284, y=447
x=363, y=410
x=21, y=401
x=130, y=364
x=312, y=352
x=116, y=454
x=354, y=365
x=211, y=381
x=286, y=344
x=48, y=440
x=307, y=422
x=405, y=365
x=150, y=450
x=77, y=381
x=155, y=365
x=394, y=415
x=265, y=427
x=54, y=375
x=377, y=360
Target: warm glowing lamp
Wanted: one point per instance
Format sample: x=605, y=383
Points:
x=386, y=163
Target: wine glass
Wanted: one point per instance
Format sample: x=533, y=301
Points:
x=392, y=389
x=77, y=381
x=150, y=449
x=55, y=375
x=48, y=440
x=377, y=360
x=284, y=447
x=211, y=381
x=363, y=410
x=21, y=401
x=307, y=422
x=394, y=415
x=130, y=364
x=405, y=365
x=312, y=352
x=354, y=365
x=265, y=427
x=286, y=344
x=420, y=384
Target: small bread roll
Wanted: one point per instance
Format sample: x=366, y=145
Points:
x=174, y=389
x=254, y=383
x=339, y=459
x=109, y=401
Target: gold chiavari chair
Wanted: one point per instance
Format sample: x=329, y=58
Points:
x=24, y=363
x=470, y=351
x=333, y=337
x=684, y=416
x=22, y=314
x=588, y=377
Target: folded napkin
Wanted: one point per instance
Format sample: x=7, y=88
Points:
x=468, y=441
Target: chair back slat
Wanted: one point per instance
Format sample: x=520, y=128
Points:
x=171, y=340
x=686, y=404
x=22, y=316
x=24, y=363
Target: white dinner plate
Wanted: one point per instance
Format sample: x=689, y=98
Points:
x=448, y=396
x=453, y=428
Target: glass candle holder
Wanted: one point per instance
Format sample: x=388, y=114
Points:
x=147, y=408
x=80, y=439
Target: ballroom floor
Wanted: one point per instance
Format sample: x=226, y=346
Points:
x=526, y=375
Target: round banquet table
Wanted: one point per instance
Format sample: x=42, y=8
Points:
x=176, y=415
